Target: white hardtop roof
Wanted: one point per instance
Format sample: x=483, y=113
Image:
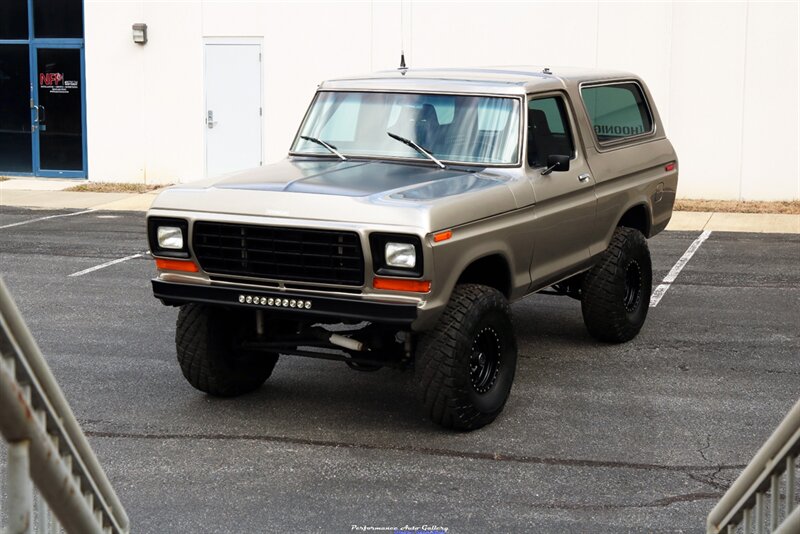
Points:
x=496, y=80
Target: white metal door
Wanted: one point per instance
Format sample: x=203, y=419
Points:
x=233, y=107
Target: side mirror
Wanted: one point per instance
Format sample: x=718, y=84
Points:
x=556, y=163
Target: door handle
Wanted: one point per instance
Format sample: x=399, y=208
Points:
x=584, y=177
x=39, y=118
x=210, y=119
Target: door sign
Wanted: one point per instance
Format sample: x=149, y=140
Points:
x=55, y=82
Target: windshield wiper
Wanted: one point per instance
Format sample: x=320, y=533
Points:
x=416, y=147
x=326, y=145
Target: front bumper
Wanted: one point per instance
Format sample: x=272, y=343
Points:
x=320, y=306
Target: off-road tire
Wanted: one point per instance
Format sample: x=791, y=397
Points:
x=616, y=291
x=205, y=341
x=476, y=316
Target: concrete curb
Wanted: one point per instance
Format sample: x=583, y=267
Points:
x=55, y=198
x=773, y=223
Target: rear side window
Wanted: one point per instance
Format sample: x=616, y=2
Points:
x=617, y=111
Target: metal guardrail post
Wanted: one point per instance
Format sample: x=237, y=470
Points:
x=790, y=525
x=53, y=477
x=44, y=519
x=33, y=409
x=790, y=467
x=774, y=507
x=744, y=500
x=20, y=489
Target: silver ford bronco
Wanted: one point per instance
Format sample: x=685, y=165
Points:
x=412, y=208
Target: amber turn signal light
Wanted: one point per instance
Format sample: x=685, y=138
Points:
x=394, y=284
x=186, y=266
x=442, y=236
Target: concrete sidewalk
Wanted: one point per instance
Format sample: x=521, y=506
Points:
x=50, y=194
x=773, y=223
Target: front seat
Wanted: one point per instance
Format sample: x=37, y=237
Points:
x=427, y=126
x=421, y=125
x=541, y=142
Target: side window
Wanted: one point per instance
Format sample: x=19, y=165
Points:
x=617, y=111
x=548, y=130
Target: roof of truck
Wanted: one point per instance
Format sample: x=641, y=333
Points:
x=499, y=80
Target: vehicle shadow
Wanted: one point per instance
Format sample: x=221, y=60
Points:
x=327, y=398
x=549, y=323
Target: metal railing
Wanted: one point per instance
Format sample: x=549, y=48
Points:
x=46, y=447
x=753, y=502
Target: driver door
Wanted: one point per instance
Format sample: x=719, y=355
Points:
x=565, y=201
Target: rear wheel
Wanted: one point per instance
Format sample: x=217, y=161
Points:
x=465, y=366
x=206, y=339
x=616, y=291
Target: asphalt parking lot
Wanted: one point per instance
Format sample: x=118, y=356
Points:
x=639, y=437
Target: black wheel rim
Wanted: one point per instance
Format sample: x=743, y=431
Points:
x=485, y=360
x=633, y=286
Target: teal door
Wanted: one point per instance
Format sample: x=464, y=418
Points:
x=58, y=112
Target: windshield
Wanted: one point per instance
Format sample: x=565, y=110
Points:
x=453, y=128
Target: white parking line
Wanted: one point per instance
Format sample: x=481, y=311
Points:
x=45, y=218
x=106, y=264
x=673, y=273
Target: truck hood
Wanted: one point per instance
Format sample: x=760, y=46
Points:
x=376, y=192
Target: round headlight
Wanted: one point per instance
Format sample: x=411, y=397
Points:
x=402, y=255
x=170, y=237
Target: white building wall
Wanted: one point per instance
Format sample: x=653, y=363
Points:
x=724, y=74
x=771, y=106
x=114, y=92
x=144, y=104
x=303, y=45
x=706, y=93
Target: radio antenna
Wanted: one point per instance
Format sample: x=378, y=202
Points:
x=403, y=69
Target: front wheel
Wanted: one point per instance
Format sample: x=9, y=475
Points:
x=616, y=291
x=465, y=366
x=206, y=341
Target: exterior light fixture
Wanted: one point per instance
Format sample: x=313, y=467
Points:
x=140, y=33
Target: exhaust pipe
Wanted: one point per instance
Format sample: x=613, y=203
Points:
x=346, y=342
x=340, y=341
